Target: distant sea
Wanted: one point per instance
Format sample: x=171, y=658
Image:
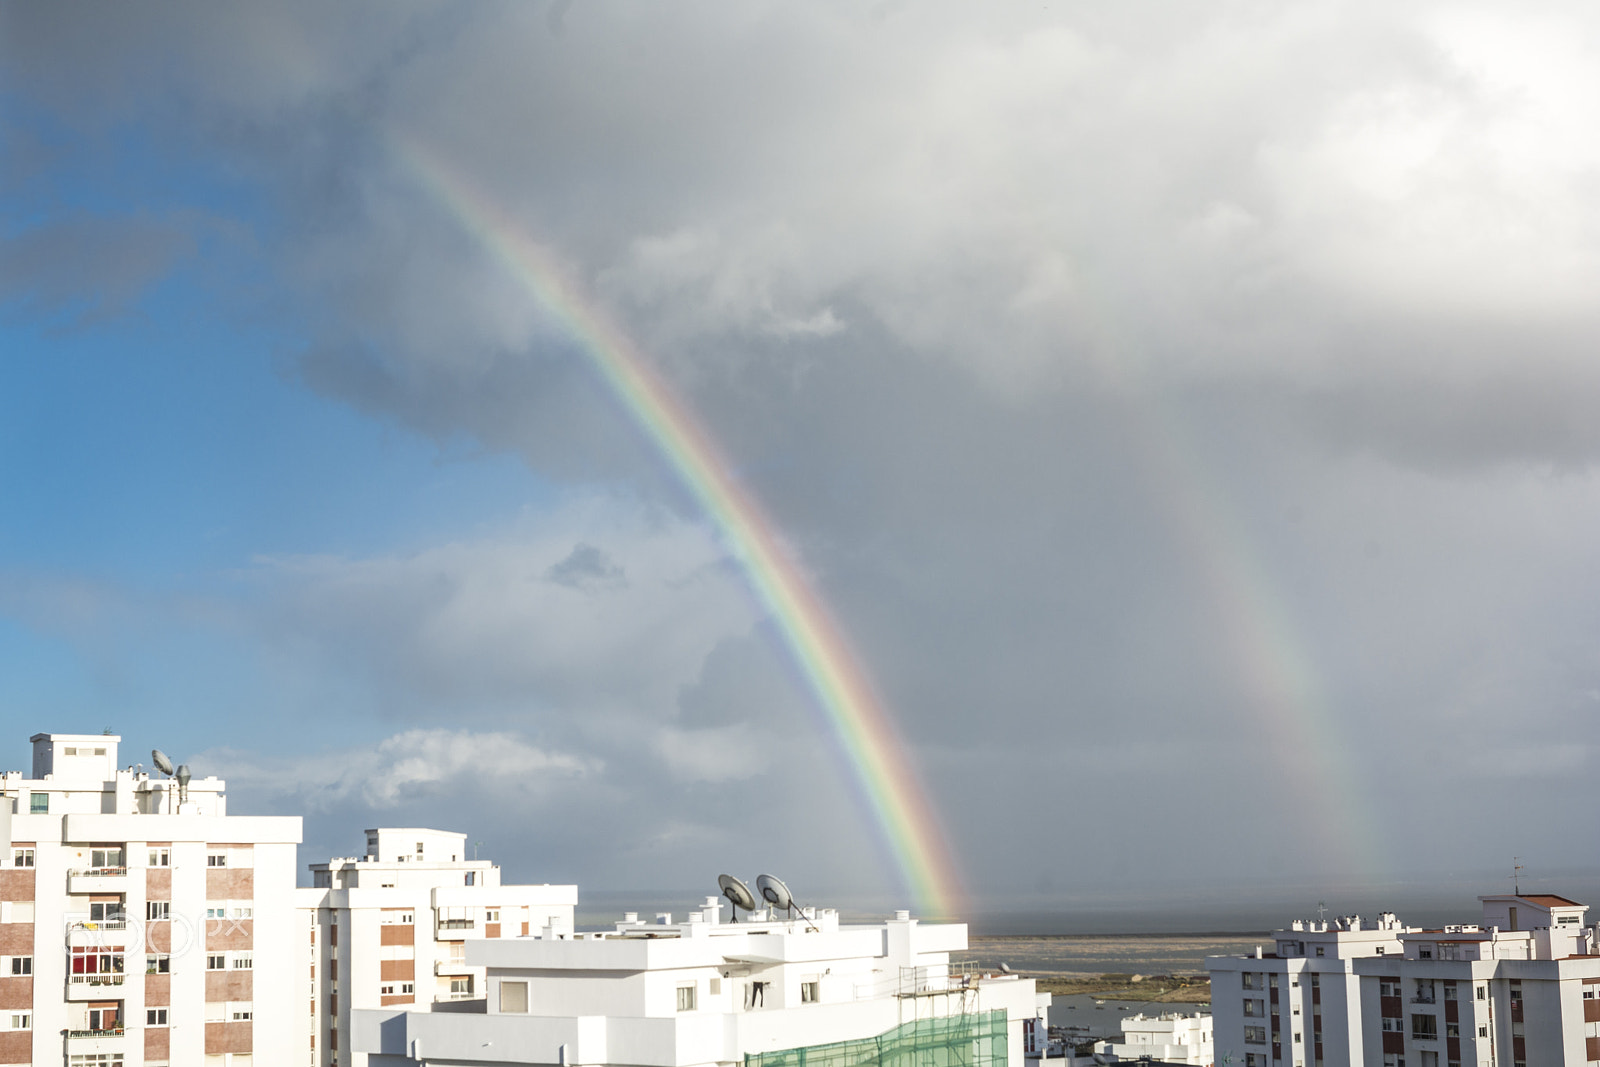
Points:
x=1088, y=955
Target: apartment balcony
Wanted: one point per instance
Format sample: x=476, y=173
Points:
x=445, y=968
x=444, y=925
x=84, y=934
x=451, y=998
x=111, y=1043
x=95, y=987
x=98, y=880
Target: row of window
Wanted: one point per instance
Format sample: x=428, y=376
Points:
x=101, y=858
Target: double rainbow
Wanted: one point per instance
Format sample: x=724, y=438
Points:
x=858, y=722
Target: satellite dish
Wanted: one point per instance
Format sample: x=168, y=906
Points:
x=774, y=892
x=163, y=764
x=1005, y=968
x=737, y=891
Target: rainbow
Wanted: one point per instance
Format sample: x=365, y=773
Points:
x=843, y=696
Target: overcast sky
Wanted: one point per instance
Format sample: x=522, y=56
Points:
x=1188, y=410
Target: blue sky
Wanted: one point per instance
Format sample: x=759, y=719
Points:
x=1095, y=363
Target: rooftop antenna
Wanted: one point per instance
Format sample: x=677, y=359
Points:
x=475, y=845
x=1322, y=911
x=738, y=893
x=774, y=892
x=1516, y=875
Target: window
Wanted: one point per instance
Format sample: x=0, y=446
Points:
x=160, y=857
x=21, y=964
x=1482, y=992
x=1425, y=952
x=1387, y=988
x=154, y=964
x=1255, y=1035
x=96, y=960
x=1322, y=950
x=22, y=1020
x=216, y=963
x=461, y=987
x=96, y=1059
x=491, y=915
x=38, y=803
x=1449, y=991
x=101, y=858
x=157, y=909
x=1452, y=1030
x=471, y=878
x=407, y=987
x=1391, y=1059
x=243, y=963
x=810, y=992
x=1380, y=950
x=514, y=997
x=1250, y=980
x=1255, y=1059
x=240, y=1015
x=1425, y=1027
x=386, y=991
x=22, y=857
x=216, y=859
x=1483, y=1031
x=1390, y=1024
x=686, y=997
x=1255, y=1009
x=106, y=911
x=155, y=1016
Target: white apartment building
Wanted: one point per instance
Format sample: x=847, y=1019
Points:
x=391, y=929
x=1522, y=988
x=767, y=992
x=1165, y=1038
x=140, y=924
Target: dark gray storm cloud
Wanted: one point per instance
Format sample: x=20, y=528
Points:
x=1164, y=397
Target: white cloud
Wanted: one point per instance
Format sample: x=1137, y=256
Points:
x=404, y=768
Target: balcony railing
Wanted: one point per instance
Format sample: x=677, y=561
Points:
x=100, y=872
x=96, y=979
x=1423, y=998
x=457, y=924
x=114, y=1032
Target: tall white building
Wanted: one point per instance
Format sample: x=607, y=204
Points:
x=1520, y=989
x=140, y=924
x=392, y=929
x=767, y=992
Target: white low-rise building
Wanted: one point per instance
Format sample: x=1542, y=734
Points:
x=764, y=992
x=1166, y=1038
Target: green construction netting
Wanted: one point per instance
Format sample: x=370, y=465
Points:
x=970, y=1040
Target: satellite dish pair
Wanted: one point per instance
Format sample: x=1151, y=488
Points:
x=772, y=890
x=181, y=773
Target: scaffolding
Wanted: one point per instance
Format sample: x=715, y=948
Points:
x=976, y=1039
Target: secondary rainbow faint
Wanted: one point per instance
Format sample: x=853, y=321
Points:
x=860, y=725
